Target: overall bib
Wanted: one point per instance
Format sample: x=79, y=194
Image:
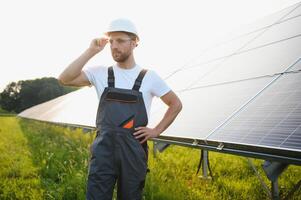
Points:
x=116, y=154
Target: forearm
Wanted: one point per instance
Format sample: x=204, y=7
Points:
x=75, y=68
x=168, y=118
x=174, y=107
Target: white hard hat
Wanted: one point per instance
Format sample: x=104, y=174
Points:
x=122, y=24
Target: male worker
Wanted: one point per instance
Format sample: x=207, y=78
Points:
x=125, y=91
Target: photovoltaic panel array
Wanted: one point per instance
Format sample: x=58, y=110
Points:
x=211, y=99
x=77, y=108
x=206, y=108
x=272, y=119
x=274, y=46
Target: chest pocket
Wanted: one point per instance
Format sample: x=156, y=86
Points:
x=125, y=98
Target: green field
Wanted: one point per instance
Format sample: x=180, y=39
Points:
x=44, y=161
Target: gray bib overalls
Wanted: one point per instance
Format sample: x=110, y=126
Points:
x=116, y=154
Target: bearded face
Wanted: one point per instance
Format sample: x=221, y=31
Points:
x=120, y=56
x=121, y=46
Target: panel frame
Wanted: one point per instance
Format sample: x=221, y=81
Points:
x=261, y=152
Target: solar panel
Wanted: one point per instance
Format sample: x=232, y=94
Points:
x=203, y=110
x=68, y=108
x=296, y=67
x=268, y=21
x=272, y=120
x=267, y=60
x=274, y=30
x=184, y=78
x=225, y=49
x=296, y=12
x=277, y=33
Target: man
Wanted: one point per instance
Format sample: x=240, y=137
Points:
x=125, y=91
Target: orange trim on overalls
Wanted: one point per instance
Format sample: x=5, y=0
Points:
x=129, y=125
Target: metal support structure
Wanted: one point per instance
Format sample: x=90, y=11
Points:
x=204, y=163
x=159, y=146
x=155, y=149
x=275, y=190
x=273, y=170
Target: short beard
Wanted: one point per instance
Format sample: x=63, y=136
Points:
x=122, y=58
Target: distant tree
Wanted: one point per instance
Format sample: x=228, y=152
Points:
x=19, y=96
x=10, y=97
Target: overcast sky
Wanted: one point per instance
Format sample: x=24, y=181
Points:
x=40, y=38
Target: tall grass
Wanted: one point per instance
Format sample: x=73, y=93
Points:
x=62, y=155
x=44, y=161
x=19, y=177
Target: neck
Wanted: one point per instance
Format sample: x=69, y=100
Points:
x=128, y=64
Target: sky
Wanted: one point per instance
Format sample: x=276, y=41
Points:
x=40, y=38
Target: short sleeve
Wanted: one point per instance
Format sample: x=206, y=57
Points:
x=90, y=74
x=97, y=76
x=159, y=86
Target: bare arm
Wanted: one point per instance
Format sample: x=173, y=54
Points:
x=174, y=107
x=73, y=74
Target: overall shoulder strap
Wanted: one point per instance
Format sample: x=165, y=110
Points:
x=139, y=79
x=111, y=78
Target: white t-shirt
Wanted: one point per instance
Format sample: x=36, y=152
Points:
x=152, y=84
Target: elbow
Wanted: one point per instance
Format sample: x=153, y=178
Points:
x=178, y=106
x=175, y=104
x=62, y=81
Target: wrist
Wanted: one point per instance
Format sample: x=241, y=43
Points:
x=92, y=52
x=158, y=131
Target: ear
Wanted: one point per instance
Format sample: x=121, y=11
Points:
x=135, y=43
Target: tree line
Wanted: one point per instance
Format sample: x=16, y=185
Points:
x=18, y=96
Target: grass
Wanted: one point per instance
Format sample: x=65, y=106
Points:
x=6, y=113
x=44, y=161
x=19, y=177
x=62, y=156
x=2, y=110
